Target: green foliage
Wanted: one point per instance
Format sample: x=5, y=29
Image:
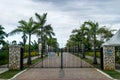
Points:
x=34, y=45
x=5, y=46
x=113, y=74
x=32, y=54
x=9, y=74
x=3, y=57
x=90, y=33
x=36, y=60
x=90, y=53
x=53, y=43
x=117, y=58
x=14, y=42
x=2, y=35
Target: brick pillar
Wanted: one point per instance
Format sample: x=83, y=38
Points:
x=109, y=57
x=14, y=57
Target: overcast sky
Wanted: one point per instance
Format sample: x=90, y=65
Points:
x=64, y=15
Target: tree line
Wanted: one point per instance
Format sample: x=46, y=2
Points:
x=38, y=27
x=89, y=36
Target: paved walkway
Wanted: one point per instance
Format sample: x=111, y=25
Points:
x=61, y=74
x=4, y=68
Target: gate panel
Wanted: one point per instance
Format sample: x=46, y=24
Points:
x=62, y=60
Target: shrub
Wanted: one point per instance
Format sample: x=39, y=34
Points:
x=4, y=57
x=117, y=59
x=32, y=54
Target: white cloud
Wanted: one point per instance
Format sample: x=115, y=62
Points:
x=63, y=15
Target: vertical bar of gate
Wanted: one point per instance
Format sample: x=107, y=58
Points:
x=101, y=58
x=81, y=59
x=42, y=57
x=21, y=59
x=61, y=59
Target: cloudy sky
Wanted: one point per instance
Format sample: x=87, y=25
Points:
x=64, y=15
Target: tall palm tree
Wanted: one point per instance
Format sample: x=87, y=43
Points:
x=93, y=29
x=76, y=38
x=26, y=28
x=53, y=42
x=105, y=33
x=84, y=33
x=45, y=31
x=80, y=34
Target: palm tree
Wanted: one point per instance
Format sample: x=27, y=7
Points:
x=108, y=33
x=105, y=33
x=76, y=38
x=53, y=42
x=26, y=28
x=93, y=28
x=80, y=35
x=45, y=31
x=2, y=35
x=84, y=33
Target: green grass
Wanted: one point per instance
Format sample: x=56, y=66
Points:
x=36, y=60
x=33, y=62
x=91, y=54
x=113, y=74
x=91, y=62
x=9, y=74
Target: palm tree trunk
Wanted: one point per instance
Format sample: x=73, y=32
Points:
x=23, y=46
x=29, y=55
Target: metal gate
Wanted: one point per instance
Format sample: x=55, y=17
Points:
x=61, y=59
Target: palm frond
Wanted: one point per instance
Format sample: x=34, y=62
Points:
x=15, y=31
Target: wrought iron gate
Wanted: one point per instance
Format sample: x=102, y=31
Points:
x=61, y=59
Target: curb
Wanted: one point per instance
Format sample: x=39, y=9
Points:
x=3, y=71
x=118, y=71
x=105, y=74
x=17, y=74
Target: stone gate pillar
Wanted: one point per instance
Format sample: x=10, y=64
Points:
x=109, y=58
x=14, y=57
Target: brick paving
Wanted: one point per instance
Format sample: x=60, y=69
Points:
x=62, y=74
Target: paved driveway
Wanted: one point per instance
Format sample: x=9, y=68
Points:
x=65, y=74
x=62, y=74
x=69, y=61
